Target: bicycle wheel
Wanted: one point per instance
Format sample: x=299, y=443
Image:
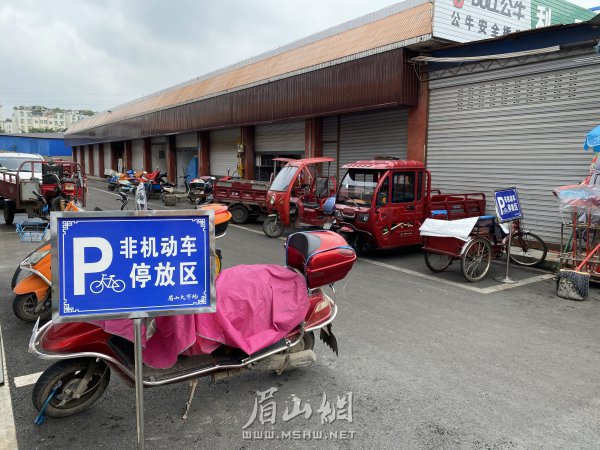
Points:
x=527, y=249
x=118, y=286
x=437, y=262
x=476, y=259
x=96, y=287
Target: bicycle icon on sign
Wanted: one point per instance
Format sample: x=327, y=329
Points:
x=108, y=282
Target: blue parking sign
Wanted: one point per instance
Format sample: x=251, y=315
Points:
x=507, y=203
x=108, y=265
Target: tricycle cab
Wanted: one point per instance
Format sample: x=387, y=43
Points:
x=381, y=203
x=299, y=190
x=323, y=257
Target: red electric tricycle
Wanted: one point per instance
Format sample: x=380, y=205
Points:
x=297, y=194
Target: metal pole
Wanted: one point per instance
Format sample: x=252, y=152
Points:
x=506, y=278
x=139, y=382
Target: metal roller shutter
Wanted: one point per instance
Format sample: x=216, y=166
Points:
x=279, y=138
x=107, y=157
x=159, y=162
x=223, y=151
x=518, y=126
x=330, y=144
x=137, y=155
x=96, y=157
x=367, y=135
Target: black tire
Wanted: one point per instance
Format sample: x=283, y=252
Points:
x=528, y=249
x=24, y=308
x=476, y=259
x=273, y=227
x=69, y=372
x=111, y=187
x=437, y=262
x=239, y=214
x=9, y=212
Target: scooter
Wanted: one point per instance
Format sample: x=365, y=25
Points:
x=33, y=293
x=171, y=197
x=87, y=354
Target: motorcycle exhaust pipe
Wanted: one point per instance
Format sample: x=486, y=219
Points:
x=280, y=362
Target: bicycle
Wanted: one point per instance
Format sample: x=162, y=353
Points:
x=108, y=282
x=526, y=248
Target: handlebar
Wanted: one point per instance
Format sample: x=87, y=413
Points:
x=39, y=196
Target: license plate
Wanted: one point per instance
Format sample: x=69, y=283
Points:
x=327, y=226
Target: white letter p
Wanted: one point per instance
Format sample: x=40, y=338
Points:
x=81, y=268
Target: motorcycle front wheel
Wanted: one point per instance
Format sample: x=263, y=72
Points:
x=24, y=306
x=66, y=375
x=273, y=227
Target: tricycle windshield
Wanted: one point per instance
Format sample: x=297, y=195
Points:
x=358, y=187
x=283, y=179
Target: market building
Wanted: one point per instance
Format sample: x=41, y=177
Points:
x=350, y=92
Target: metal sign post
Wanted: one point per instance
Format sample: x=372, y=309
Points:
x=508, y=209
x=134, y=265
x=139, y=382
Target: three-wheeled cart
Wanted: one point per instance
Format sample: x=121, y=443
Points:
x=475, y=254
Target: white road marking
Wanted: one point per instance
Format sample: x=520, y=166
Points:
x=253, y=231
x=8, y=435
x=466, y=285
x=26, y=380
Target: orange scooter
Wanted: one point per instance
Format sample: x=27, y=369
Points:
x=33, y=293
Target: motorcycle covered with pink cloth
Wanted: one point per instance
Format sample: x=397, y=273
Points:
x=265, y=320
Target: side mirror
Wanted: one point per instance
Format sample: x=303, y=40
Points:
x=329, y=206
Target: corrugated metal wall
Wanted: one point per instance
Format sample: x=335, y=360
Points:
x=382, y=79
x=44, y=147
x=519, y=126
x=367, y=135
x=223, y=151
x=280, y=138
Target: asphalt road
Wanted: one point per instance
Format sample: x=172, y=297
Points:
x=430, y=361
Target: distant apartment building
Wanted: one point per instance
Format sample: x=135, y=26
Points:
x=37, y=118
x=6, y=126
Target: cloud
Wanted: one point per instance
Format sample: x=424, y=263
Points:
x=98, y=54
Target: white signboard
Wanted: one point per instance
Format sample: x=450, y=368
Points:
x=472, y=20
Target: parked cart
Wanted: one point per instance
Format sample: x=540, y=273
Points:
x=20, y=187
x=476, y=243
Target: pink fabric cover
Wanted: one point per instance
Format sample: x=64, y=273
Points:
x=257, y=306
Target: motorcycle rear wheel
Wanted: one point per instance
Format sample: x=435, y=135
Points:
x=24, y=308
x=69, y=372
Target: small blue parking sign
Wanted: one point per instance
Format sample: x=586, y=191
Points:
x=108, y=265
x=507, y=205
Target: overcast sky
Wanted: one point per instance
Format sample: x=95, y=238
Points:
x=96, y=54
